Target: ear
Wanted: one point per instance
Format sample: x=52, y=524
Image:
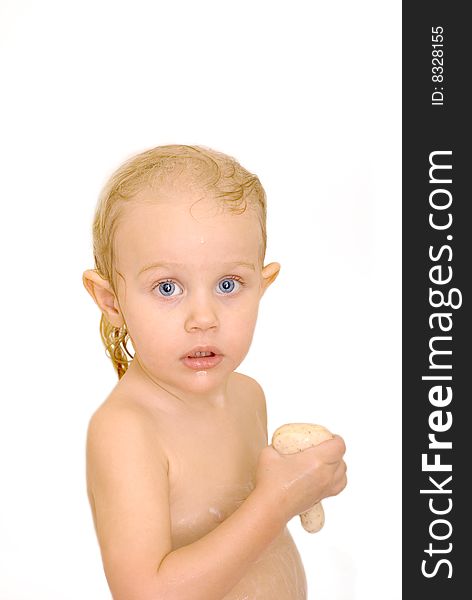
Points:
x=103, y=295
x=269, y=275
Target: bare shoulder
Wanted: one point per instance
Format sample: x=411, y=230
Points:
x=249, y=384
x=119, y=417
x=253, y=391
x=127, y=484
x=116, y=432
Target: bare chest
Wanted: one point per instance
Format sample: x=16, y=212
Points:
x=212, y=469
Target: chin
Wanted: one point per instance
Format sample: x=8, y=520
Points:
x=206, y=379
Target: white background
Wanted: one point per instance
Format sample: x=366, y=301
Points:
x=307, y=95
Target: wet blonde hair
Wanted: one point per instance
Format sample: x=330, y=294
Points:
x=213, y=172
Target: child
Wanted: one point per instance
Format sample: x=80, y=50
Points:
x=188, y=500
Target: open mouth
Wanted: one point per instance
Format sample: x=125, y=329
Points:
x=199, y=354
x=201, y=360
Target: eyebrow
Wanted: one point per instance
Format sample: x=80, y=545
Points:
x=156, y=265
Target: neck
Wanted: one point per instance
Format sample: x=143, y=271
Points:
x=160, y=390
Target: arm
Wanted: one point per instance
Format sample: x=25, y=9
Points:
x=127, y=473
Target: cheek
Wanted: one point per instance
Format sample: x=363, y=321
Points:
x=241, y=322
x=148, y=327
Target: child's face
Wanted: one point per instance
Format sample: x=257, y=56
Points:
x=205, y=291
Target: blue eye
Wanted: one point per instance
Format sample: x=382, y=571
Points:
x=228, y=285
x=168, y=288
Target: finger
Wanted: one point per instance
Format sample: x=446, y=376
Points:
x=341, y=441
x=331, y=451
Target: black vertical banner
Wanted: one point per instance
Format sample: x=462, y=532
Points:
x=437, y=296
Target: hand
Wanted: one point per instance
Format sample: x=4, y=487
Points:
x=295, y=482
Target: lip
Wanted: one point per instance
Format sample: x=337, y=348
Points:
x=202, y=362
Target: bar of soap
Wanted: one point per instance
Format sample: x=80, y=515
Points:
x=296, y=437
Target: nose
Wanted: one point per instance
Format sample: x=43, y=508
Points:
x=201, y=314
